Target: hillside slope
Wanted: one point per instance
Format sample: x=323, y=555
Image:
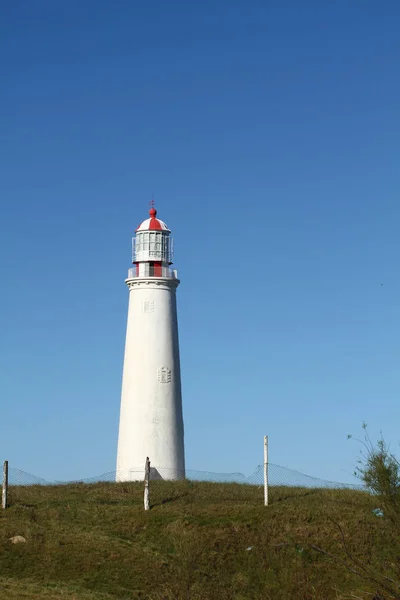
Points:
x=200, y=541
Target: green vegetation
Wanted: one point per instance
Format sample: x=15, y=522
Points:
x=200, y=541
x=379, y=470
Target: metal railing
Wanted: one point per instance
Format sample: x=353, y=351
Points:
x=166, y=273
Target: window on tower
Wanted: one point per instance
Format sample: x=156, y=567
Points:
x=158, y=243
x=165, y=248
x=152, y=246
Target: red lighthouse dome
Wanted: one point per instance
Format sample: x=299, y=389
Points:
x=152, y=224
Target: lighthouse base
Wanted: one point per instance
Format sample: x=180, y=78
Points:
x=155, y=475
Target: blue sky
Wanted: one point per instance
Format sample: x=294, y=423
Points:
x=268, y=132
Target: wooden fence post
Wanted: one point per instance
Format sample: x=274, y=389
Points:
x=5, y=485
x=146, y=485
x=265, y=470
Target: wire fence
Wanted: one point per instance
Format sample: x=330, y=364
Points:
x=163, y=481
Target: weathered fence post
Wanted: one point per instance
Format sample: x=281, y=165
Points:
x=146, y=485
x=265, y=470
x=5, y=485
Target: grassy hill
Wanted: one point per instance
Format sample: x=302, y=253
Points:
x=200, y=541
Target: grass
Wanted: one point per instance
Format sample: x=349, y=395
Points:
x=200, y=541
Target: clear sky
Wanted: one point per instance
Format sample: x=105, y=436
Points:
x=269, y=133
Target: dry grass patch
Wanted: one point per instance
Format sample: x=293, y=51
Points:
x=199, y=541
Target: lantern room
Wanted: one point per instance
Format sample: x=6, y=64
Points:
x=152, y=242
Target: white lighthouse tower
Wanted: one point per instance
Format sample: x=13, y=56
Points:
x=151, y=421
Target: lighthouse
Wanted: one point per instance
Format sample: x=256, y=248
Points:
x=151, y=419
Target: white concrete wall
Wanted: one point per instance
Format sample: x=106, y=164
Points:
x=151, y=421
